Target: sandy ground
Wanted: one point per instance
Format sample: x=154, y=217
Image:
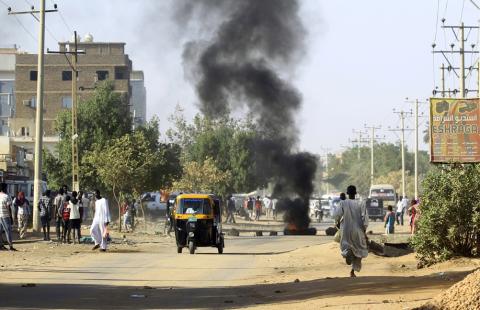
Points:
x=311, y=277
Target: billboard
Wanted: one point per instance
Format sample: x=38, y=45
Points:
x=454, y=130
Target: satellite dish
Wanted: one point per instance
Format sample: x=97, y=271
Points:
x=88, y=38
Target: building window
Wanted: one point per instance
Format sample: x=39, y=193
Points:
x=66, y=75
x=25, y=132
x=33, y=75
x=32, y=102
x=67, y=102
x=120, y=73
x=102, y=75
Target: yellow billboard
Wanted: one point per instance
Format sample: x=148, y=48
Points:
x=454, y=130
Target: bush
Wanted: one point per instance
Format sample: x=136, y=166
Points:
x=449, y=223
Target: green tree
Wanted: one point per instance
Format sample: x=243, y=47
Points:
x=449, y=223
x=102, y=117
x=125, y=165
x=203, y=177
x=228, y=142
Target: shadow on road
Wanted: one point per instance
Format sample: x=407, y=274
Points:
x=123, y=297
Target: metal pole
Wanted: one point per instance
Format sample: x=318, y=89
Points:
x=39, y=121
x=402, y=118
x=462, y=61
x=75, y=172
x=371, y=155
x=443, y=80
x=478, y=79
x=416, y=149
x=326, y=168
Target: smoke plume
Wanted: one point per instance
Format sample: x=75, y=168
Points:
x=240, y=65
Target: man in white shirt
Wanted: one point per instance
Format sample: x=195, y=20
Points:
x=100, y=222
x=402, y=205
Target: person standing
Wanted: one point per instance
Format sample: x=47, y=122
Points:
x=267, y=203
x=66, y=230
x=353, y=224
x=258, y=208
x=413, y=211
x=58, y=209
x=75, y=217
x=127, y=215
x=399, y=211
x=230, y=209
x=6, y=218
x=45, y=210
x=23, y=213
x=389, y=221
x=84, y=204
x=101, y=219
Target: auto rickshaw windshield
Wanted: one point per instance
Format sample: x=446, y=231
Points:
x=194, y=206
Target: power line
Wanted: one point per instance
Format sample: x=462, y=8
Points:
x=25, y=28
x=461, y=14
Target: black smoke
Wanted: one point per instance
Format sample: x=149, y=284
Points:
x=240, y=66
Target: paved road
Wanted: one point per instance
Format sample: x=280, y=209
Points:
x=162, y=268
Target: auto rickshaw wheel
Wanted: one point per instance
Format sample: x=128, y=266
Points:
x=179, y=249
x=191, y=247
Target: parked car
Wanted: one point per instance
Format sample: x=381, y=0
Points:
x=151, y=201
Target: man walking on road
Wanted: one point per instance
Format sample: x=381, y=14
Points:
x=354, y=223
x=101, y=219
x=6, y=218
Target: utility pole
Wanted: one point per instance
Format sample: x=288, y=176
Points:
x=459, y=33
x=402, y=115
x=73, y=65
x=359, y=141
x=37, y=188
x=327, y=175
x=372, y=144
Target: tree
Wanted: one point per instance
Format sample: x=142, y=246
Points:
x=228, y=142
x=102, y=117
x=125, y=164
x=449, y=223
x=203, y=177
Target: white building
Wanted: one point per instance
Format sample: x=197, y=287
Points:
x=138, y=100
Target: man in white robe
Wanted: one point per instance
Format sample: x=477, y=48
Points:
x=354, y=222
x=100, y=222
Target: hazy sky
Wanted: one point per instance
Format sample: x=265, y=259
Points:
x=363, y=57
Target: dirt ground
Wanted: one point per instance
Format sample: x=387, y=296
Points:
x=310, y=277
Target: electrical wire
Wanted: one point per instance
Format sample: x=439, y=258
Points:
x=461, y=14
x=436, y=22
x=25, y=28
x=4, y=3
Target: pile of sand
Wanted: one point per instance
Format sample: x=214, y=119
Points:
x=463, y=295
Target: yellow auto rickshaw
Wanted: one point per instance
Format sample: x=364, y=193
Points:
x=198, y=222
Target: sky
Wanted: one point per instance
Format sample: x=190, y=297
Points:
x=363, y=58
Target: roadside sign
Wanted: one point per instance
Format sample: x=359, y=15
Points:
x=454, y=130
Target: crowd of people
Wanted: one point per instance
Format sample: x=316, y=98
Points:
x=252, y=209
x=67, y=209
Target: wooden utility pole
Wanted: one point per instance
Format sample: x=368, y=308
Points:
x=402, y=115
x=372, y=145
x=74, y=52
x=37, y=182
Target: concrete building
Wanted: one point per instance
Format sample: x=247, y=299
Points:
x=138, y=100
x=102, y=61
x=18, y=86
x=7, y=87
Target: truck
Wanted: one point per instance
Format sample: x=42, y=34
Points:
x=379, y=198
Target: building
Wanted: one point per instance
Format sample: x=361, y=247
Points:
x=138, y=100
x=18, y=87
x=102, y=61
x=7, y=87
